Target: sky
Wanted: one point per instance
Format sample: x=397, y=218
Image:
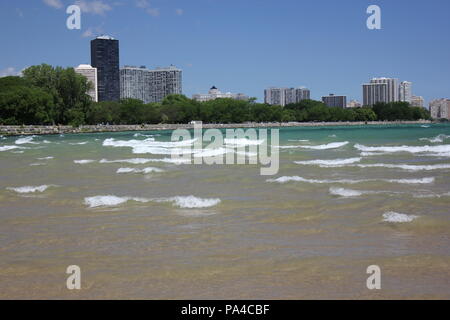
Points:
x=244, y=45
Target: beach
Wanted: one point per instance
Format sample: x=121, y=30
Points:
x=141, y=225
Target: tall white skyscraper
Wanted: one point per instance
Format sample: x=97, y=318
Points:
x=149, y=85
x=284, y=96
x=91, y=74
x=405, y=91
x=380, y=90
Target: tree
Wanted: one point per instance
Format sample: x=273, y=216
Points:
x=68, y=89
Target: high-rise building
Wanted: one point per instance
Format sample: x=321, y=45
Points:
x=417, y=101
x=440, y=109
x=165, y=81
x=149, y=85
x=405, y=91
x=91, y=74
x=284, y=96
x=105, y=57
x=335, y=101
x=215, y=93
x=275, y=96
x=380, y=90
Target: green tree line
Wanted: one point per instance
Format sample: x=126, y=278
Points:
x=46, y=95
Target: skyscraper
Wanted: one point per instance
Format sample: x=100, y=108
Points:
x=380, y=90
x=149, y=85
x=105, y=57
x=335, y=101
x=405, y=91
x=91, y=74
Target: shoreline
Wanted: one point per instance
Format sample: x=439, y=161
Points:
x=54, y=130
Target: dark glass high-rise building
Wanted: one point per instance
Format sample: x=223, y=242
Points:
x=105, y=57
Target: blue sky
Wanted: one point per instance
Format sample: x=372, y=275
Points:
x=244, y=45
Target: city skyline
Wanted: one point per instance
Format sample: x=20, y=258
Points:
x=173, y=32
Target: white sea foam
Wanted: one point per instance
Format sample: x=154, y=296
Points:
x=26, y=140
x=78, y=143
x=83, y=161
x=110, y=201
x=7, y=148
x=409, y=149
x=413, y=181
x=134, y=170
x=370, y=154
x=191, y=202
x=37, y=164
x=46, y=158
x=287, y=179
x=144, y=161
x=330, y=163
x=243, y=142
x=31, y=189
x=396, y=217
x=136, y=135
x=131, y=161
x=333, y=145
x=407, y=167
x=151, y=146
x=438, y=139
x=293, y=140
x=212, y=152
x=346, y=193
x=431, y=195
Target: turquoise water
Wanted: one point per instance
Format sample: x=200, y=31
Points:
x=343, y=199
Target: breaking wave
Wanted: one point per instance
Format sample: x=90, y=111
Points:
x=407, y=167
x=396, y=217
x=30, y=189
x=410, y=149
x=186, y=202
x=26, y=140
x=243, y=142
x=134, y=170
x=151, y=146
x=83, y=161
x=330, y=163
x=286, y=179
x=333, y=145
x=7, y=148
x=347, y=193
x=145, y=161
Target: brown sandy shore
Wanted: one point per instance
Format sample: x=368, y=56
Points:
x=48, y=130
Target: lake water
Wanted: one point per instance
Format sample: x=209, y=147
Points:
x=141, y=226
